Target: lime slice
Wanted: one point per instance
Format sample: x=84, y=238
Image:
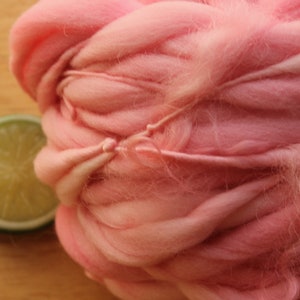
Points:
x=25, y=203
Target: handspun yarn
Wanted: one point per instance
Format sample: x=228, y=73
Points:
x=173, y=141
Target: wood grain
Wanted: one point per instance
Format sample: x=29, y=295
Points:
x=33, y=266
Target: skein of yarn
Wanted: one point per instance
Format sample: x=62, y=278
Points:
x=173, y=141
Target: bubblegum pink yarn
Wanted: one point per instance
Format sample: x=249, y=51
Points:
x=173, y=141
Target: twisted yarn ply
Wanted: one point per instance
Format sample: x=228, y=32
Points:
x=173, y=141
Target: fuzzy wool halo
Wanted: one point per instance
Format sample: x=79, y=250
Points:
x=173, y=141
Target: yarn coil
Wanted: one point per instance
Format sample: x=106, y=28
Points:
x=173, y=141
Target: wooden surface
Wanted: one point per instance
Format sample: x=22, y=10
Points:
x=33, y=266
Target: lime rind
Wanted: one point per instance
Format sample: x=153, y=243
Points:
x=19, y=117
x=28, y=225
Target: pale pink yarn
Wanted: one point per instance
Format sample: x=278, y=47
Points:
x=173, y=141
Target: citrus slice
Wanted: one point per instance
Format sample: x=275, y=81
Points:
x=25, y=202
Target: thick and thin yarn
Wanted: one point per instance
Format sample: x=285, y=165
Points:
x=173, y=141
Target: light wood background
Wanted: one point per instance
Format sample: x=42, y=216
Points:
x=33, y=266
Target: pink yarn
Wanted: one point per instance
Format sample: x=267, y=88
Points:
x=173, y=141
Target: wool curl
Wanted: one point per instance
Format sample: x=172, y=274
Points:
x=173, y=141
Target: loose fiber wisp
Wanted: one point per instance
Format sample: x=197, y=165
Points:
x=173, y=141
